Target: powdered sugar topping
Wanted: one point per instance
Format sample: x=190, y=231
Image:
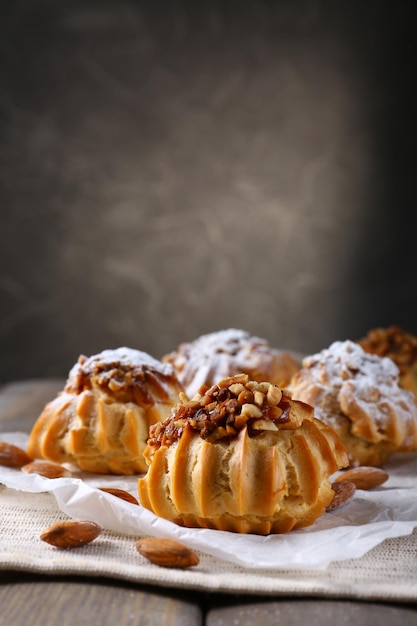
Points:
x=125, y=357
x=218, y=355
x=346, y=375
x=345, y=360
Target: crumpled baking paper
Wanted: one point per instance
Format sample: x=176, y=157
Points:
x=347, y=532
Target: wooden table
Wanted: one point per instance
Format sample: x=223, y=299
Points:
x=47, y=600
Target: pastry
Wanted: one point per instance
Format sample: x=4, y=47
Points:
x=398, y=345
x=100, y=421
x=358, y=394
x=224, y=353
x=241, y=456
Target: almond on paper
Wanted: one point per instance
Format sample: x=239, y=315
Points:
x=120, y=493
x=343, y=492
x=364, y=477
x=167, y=552
x=13, y=456
x=70, y=533
x=46, y=469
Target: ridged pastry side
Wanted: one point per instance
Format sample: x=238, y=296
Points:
x=257, y=481
x=97, y=436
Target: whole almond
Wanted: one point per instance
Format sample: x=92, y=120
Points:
x=120, y=493
x=70, y=533
x=343, y=492
x=47, y=469
x=167, y=552
x=364, y=477
x=13, y=456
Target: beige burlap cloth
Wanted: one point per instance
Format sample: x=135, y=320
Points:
x=386, y=572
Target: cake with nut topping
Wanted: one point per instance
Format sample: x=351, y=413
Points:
x=241, y=456
x=100, y=421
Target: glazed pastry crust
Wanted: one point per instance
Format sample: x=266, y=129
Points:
x=215, y=356
x=358, y=395
x=100, y=421
x=269, y=475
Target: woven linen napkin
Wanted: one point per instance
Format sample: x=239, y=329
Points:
x=387, y=572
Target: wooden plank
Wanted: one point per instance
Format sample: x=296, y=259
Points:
x=312, y=612
x=38, y=601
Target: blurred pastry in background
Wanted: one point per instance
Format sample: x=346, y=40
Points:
x=101, y=420
x=398, y=345
x=217, y=355
x=358, y=394
x=241, y=456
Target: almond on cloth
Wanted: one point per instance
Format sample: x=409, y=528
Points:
x=343, y=492
x=364, y=477
x=70, y=533
x=46, y=469
x=120, y=493
x=166, y=552
x=13, y=456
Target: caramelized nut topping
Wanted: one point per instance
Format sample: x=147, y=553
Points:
x=394, y=343
x=128, y=375
x=221, y=411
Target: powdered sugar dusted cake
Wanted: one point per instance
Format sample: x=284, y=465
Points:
x=218, y=355
x=358, y=394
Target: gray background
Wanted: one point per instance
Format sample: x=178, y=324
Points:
x=169, y=169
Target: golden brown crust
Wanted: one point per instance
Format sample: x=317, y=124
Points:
x=224, y=353
x=398, y=345
x=358, y=395
x=268, y=473
x=101, y=419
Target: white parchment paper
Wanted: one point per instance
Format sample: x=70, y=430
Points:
x=348, y=532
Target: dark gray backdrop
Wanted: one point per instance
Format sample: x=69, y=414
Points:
x=169, y=169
